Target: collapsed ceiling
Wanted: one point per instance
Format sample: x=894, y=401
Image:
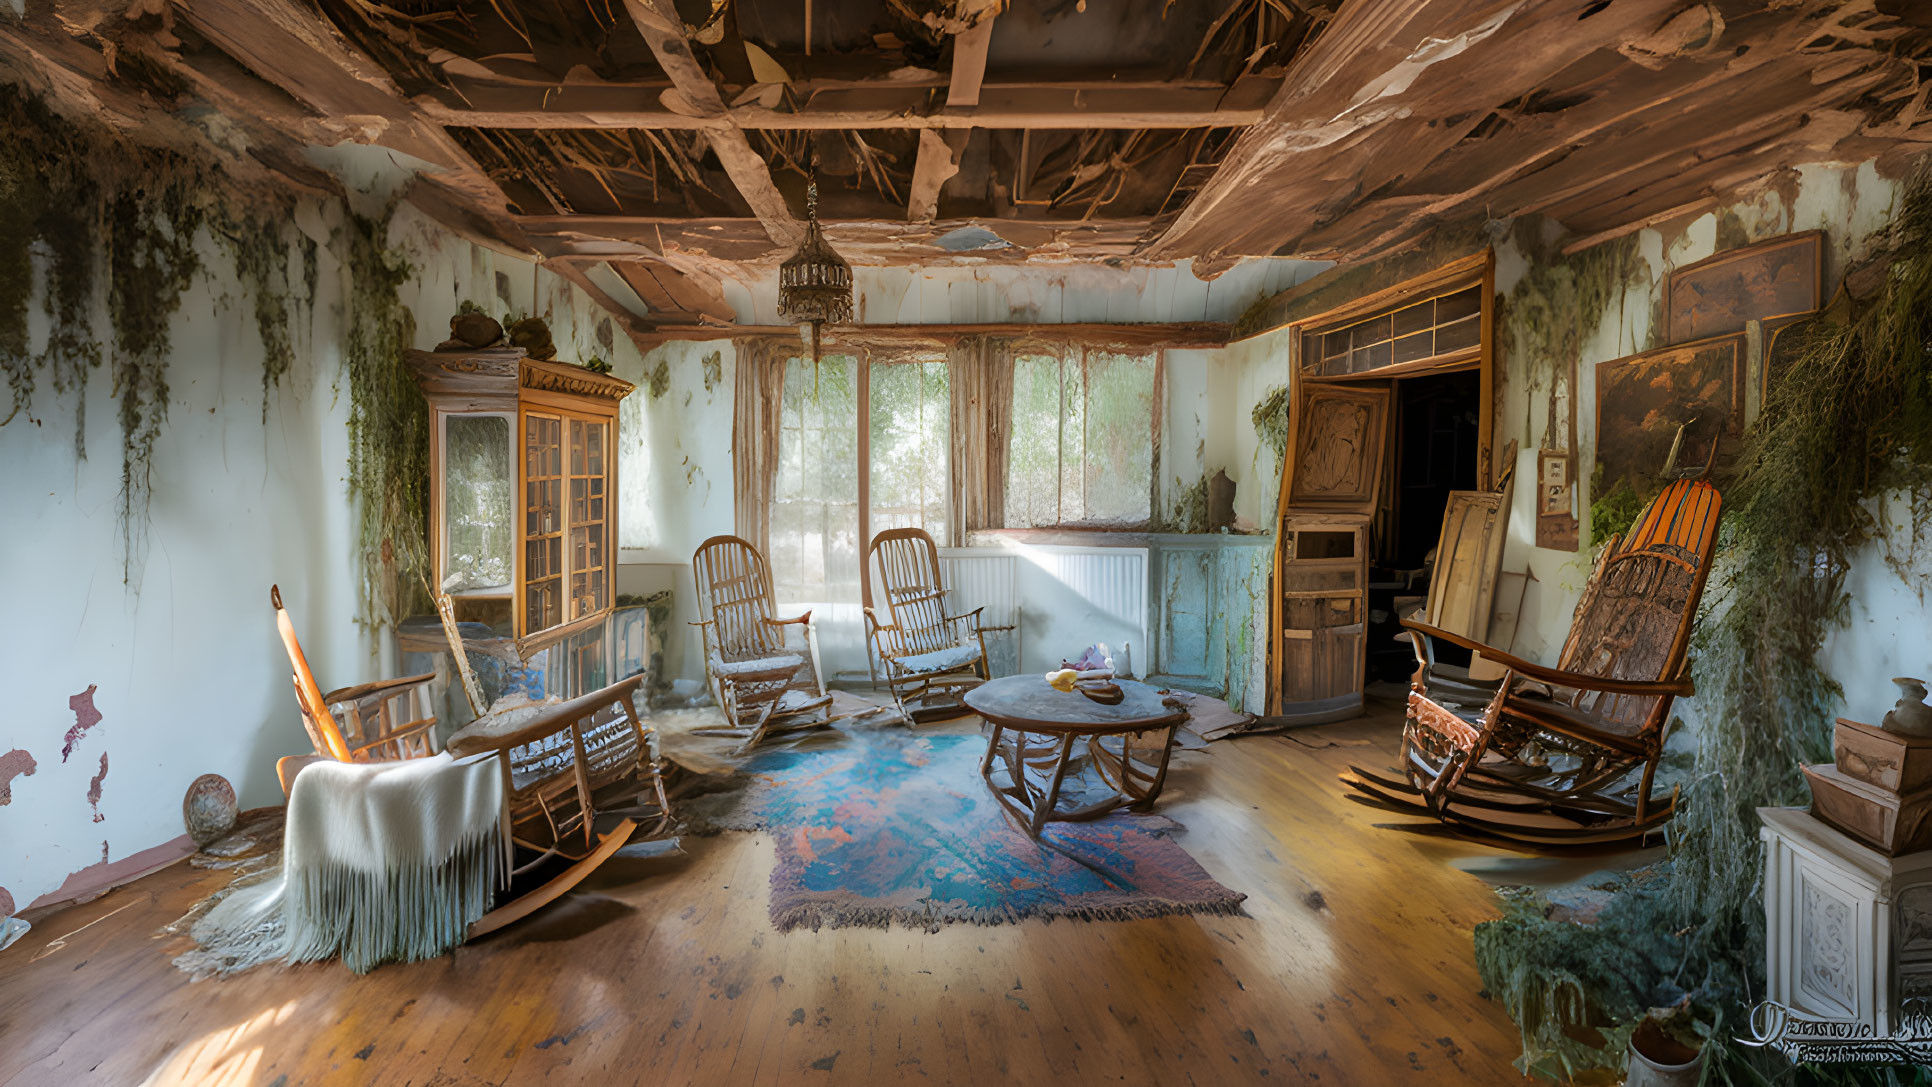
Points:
x=673, y=138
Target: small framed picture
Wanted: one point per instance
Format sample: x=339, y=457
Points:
x=1553, y=481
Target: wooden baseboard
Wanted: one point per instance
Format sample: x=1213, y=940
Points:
x=96, y=880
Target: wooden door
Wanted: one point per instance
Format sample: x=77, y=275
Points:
x=1332, y=482
x=1469, y=557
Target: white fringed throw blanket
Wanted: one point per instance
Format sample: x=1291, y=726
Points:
x=381, y=862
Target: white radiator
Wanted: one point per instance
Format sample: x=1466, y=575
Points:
x=1062, y=598
x=1112, y=580
x=987, y=577
x=983, y=577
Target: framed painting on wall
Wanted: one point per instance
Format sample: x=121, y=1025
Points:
x=1718, y=295
x=1665, y=409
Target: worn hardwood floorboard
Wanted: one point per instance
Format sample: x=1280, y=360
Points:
x=1352, y=966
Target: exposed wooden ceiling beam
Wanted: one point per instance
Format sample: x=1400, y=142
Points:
x=292, y=48
x=939, y=154
x=721, y=242
x=676, y=296
x=693, y=91
x=1331, y=92
x=1004, y=106
x=1403, y=115
x=1179, y=334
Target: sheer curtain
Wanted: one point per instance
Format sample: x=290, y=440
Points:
x=758, y=397
x=910, y=454
x=981, y=373
x=814, y=505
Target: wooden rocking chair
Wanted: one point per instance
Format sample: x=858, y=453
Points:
x=354, y=724
x=931, y=659
x=763, y=684
x=1545, y=755
x=559, y=761
x=577, y=777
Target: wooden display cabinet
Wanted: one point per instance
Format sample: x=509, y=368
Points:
x=523, y=494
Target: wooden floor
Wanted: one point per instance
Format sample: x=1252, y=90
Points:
x=1352, y=966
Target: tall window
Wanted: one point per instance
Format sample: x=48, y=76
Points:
x=910, y=435
x=815, y=542
x=1081, y=448
x=817, y=536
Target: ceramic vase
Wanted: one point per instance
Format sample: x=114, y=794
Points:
x=1911, y=717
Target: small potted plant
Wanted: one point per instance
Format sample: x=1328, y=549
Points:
x=1666, y=1049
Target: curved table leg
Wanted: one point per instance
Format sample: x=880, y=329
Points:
x=1045, y=810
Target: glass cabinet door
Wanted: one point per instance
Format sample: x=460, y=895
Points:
x=543, y=515
x=478, y=514
x=589, y=538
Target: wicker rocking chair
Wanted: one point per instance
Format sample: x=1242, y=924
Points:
x=765, y=681
x=931, y=659
x=1546, y=755
x=577, y=775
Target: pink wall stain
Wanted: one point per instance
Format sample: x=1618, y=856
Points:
x=13, y=764
x=85, y=717
x=94, y=789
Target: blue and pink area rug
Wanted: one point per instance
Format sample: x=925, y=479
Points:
x=891, y=826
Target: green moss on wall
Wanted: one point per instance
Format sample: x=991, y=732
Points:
x=87, y=217
x=1850, y=420
x=1270, y=418
x=1189, y=512
x=1614, y=512
x=388, y=426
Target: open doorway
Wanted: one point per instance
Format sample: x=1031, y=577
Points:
x=1393, y=411
x=1435, y=441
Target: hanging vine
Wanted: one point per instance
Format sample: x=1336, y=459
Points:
x=1542, y=322
x=1848, y=423
x=260, y=253
x=388, y=426
x=151, y=235
x=101, y=219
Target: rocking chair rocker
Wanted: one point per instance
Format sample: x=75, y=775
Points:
x=1544, y=755
x=931, y=659
x=763, y=684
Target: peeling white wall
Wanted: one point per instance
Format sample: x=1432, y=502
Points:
x=1243, y=374
x=1852, y=204
x=675, y=489
x=188, y=674
x=1887, y=634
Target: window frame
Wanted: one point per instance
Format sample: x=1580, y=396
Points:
x=1059, y=348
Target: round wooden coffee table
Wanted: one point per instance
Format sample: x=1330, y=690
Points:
x=1043, y=738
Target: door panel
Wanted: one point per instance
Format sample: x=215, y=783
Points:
x=1324, y=576
x=1332, y=485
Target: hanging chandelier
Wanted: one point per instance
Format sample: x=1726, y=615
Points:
x=815, y=283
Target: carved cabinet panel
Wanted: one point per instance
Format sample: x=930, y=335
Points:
x=1848, y=931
